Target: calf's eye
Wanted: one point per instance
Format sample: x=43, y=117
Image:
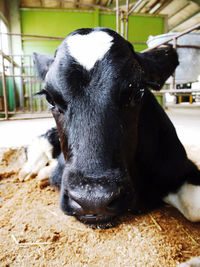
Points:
x=49, y=99
x=47, y=95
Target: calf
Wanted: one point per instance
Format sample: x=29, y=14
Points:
x=42, y=156
x=120, y=151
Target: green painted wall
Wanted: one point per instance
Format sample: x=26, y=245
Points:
x=141, y=27
x=61, y=23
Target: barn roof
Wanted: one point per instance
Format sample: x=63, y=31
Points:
x=181, y=14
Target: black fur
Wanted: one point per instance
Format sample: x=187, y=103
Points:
x=56, y=176
x=120, y=150
x=161, y=160
x=42, y=64
x=53, y=137
x=158, y=65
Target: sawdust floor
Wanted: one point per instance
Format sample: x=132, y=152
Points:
x=35, y=232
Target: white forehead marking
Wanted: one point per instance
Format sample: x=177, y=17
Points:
x=87, y=49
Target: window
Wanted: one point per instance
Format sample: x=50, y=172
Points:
x=4, y=46
x=4, y=37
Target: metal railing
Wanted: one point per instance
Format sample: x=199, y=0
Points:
x=173, y=89
x=18, y=84
x=122, y=22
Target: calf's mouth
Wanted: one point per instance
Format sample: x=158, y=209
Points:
x=96, y=221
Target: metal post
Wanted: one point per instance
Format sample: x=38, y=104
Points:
x=40, y=101
x=173, y=76
x=34, y=92
x=30, y=86
x=14, y=86
x=122, y=22
x=4, y=79
x=117, y=16
x=21, y=85
x=127, y=16
x=4, y=88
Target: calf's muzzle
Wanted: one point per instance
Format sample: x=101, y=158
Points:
x=94, y=199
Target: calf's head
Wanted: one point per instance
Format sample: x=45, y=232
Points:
x=95, y=83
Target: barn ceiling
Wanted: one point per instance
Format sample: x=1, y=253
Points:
x=181, y=14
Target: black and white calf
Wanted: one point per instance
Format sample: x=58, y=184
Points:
x=42, y=154
x=120, y=151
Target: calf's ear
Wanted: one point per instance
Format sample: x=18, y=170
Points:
x=42, y=63
x=158, y=65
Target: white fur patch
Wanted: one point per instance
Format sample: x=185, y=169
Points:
x=89, y=48
x=194, y=262
x=187, y=201
x=39, y=156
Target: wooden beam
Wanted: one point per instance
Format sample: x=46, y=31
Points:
x=109, y=2
x=142, y=6
x=196, y=2
x=135, y=6
x=148, y=9
x=165, y=3
x=121, y=3
x=66, y=9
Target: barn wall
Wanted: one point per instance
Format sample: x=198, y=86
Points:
x=61, y=23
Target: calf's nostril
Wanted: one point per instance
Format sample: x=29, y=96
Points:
x=99, y=202
x=116, y=205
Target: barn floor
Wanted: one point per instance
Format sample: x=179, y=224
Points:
x=34, y=231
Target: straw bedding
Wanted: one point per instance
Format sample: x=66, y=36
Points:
x=35, y=232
